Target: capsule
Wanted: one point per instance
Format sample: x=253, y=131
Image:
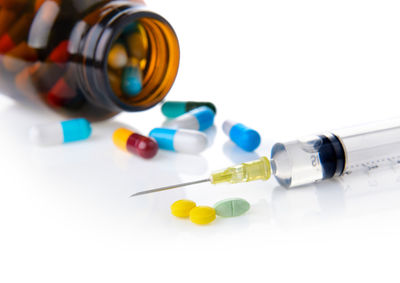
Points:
x=15, y=60
x=137, y=43
x=184, y=141
x=118, y=57
x=60, y=53
x=244, y=137
x=58, y=133
x=134, y=143
x=173, y=109
x=131, y=82
x=198, y=119
x=17, y=33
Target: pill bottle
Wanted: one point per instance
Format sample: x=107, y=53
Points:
x=86, y=58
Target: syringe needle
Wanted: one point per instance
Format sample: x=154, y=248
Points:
x=246, y=172
x=170, y=187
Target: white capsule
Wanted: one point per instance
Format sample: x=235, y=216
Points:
x=185, y=141
x=198, y=119
x=62, y=132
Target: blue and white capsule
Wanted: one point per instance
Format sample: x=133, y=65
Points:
x=244, y=137
x=180, y=140
x=198, y=119
x=59, y=133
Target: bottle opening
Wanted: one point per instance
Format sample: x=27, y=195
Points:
x=142, y=62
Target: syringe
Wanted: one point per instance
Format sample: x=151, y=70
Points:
x=316, y=158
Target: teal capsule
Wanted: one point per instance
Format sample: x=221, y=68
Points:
x=231, y=207
x=173, y=109
x=131, y=83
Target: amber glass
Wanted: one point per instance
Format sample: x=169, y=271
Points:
x=56, y=51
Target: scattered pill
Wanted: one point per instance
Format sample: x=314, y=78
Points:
x=231, y=207
x=184, y=141
x=131, y=82
x=118, y=57
x=244, y=137
x=182, y=208
x=62, y=132
x=202, y=215
x=198, y=119
x=134, y=143
x=173, y=109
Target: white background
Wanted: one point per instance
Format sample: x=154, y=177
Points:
x=286, y=68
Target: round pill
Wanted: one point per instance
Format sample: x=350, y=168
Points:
x=202, y=215
x=173, y=109
x=231, y=207
x=184, y=141
x=134, y=143
x=182, y=208
x=198, y=119
x=244, y=137
x=118, y=57
x=62, y=132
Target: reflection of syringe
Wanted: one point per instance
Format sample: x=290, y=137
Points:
x=317, y=158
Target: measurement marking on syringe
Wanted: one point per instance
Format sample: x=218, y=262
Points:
x=368, y=164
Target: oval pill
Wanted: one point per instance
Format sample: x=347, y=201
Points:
x=58, y=133
x=173, y=109
x=184, y=141
x=198, y=119
x=231, y=207
x=134, y=143
x=118, y=56
x=182, y=208
x=131, y=82
x=202, y=215
x=244, y=137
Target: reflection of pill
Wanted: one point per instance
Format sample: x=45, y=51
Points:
x=182, y=208
x=244, y=137
x=173, y=109
x=185, y=141
x=202, y=215
x=198, y=119
x=135, y=143
x=60, y=53
x=231, y=207
x=58, y=133
x=117, y=58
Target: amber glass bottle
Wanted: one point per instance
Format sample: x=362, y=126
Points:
x=86, y=58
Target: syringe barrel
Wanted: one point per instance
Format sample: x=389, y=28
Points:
x=341, y=152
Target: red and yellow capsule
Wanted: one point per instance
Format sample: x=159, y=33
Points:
x=134, y=143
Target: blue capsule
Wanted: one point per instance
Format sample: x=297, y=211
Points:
x=244, y=137
x=198, y=119
x=131, y=82
x=62, y=132
x=185, y=141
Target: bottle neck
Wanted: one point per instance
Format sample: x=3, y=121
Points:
x=102, y=84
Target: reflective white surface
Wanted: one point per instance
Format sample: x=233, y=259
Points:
x=286, y=69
